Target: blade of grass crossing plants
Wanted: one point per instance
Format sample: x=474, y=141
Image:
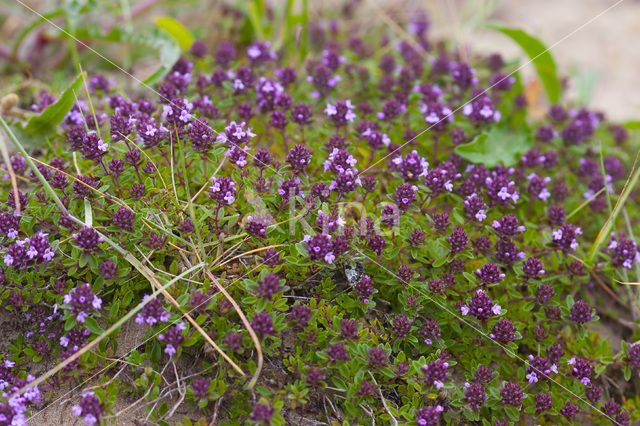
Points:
x=12, y=175
x=250, y=330
x=540, y=56
x=47, y=188
x=176, y=30
x=626, y=191
x=192, y=212
x=146, y=272
x=88, y=213
x=106, y=333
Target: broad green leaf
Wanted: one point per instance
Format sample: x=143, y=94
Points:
x=48, y=120
x=540, y=57
x=92, y=326
x=176, y=30
x=497, y=146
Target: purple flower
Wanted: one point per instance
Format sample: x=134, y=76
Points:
x=301, y=114
x=512, y=394
x=262, y=413
x=268, y=286
x=533, y=268
x=405, y=196
x=581, y=369
x=152, y=312
x=543, y=402
x=225, y=53
x=481, y=109
x=201, y=388
x=337, y=352
x=320, y=247
x=508, y=226
x=507, y=252
x=458, y=240
x=569, y=411
x=624, y=252
x=489, y=273
x=87, y=238
x=435, y=373
x=236, y=134
x=299, y=158
x=260, y=51
x=429, y=416
x=82, y=300
x=341, y=112
x=90, y=408
x=173, y=338
x=475, y=395
x=581, y=312
x=364, y=288
x=262, y=323
x=223, y=190
x=123, y=218
x=401, y=326
x=503, y=331
x=475, y=207
x=201, y=136
x=481, y=307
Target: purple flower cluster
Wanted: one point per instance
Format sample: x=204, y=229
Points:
x=82, y=300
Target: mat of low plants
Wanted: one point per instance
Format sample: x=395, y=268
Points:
x=304, y=222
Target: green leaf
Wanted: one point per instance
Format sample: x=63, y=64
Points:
x=48, y=120
x=497, y=146
x=540, y=57
x=92, y=326
x=176, y=30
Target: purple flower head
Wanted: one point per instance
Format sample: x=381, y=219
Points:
x=436, y=115
x=458, y=240
x=435, y=373
x=623, y=251
x=481, y=110
x=300, y=314
x=503, y=331
x=565, y=237
x=364, y=288
x=489, y=273
x=301, y=114
x=569, y=411
x=123, y=219
x=337, y=352
x=90, y=408
x=152, y=312
x=463, y=75
x=201, y=388
x=543, y=402
x=339, y=161
x=82, y=300
x=269, y=286
x=223, y=190
x=262, y=413
x=429, y=416
x=173, y=338
x=507, y=252
x=533, y=268
x=290, y=188
x=261, y=51
x=320, y=247
x=481, y=307
x=236, y=134
x=299, y=158
x=512, y=394
x=87, y=238
x=237, y=155
x=405, y=196
x=508, y=226
x=475, y=207
x=93, y=148
x=412, y=166
x=201, y=135
x=581, y=312
x=401, y=326
x=225, y=53
x=341, y=112
x=262, y=323
x=581, y=369
x=544, y=294
x=475, y=395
